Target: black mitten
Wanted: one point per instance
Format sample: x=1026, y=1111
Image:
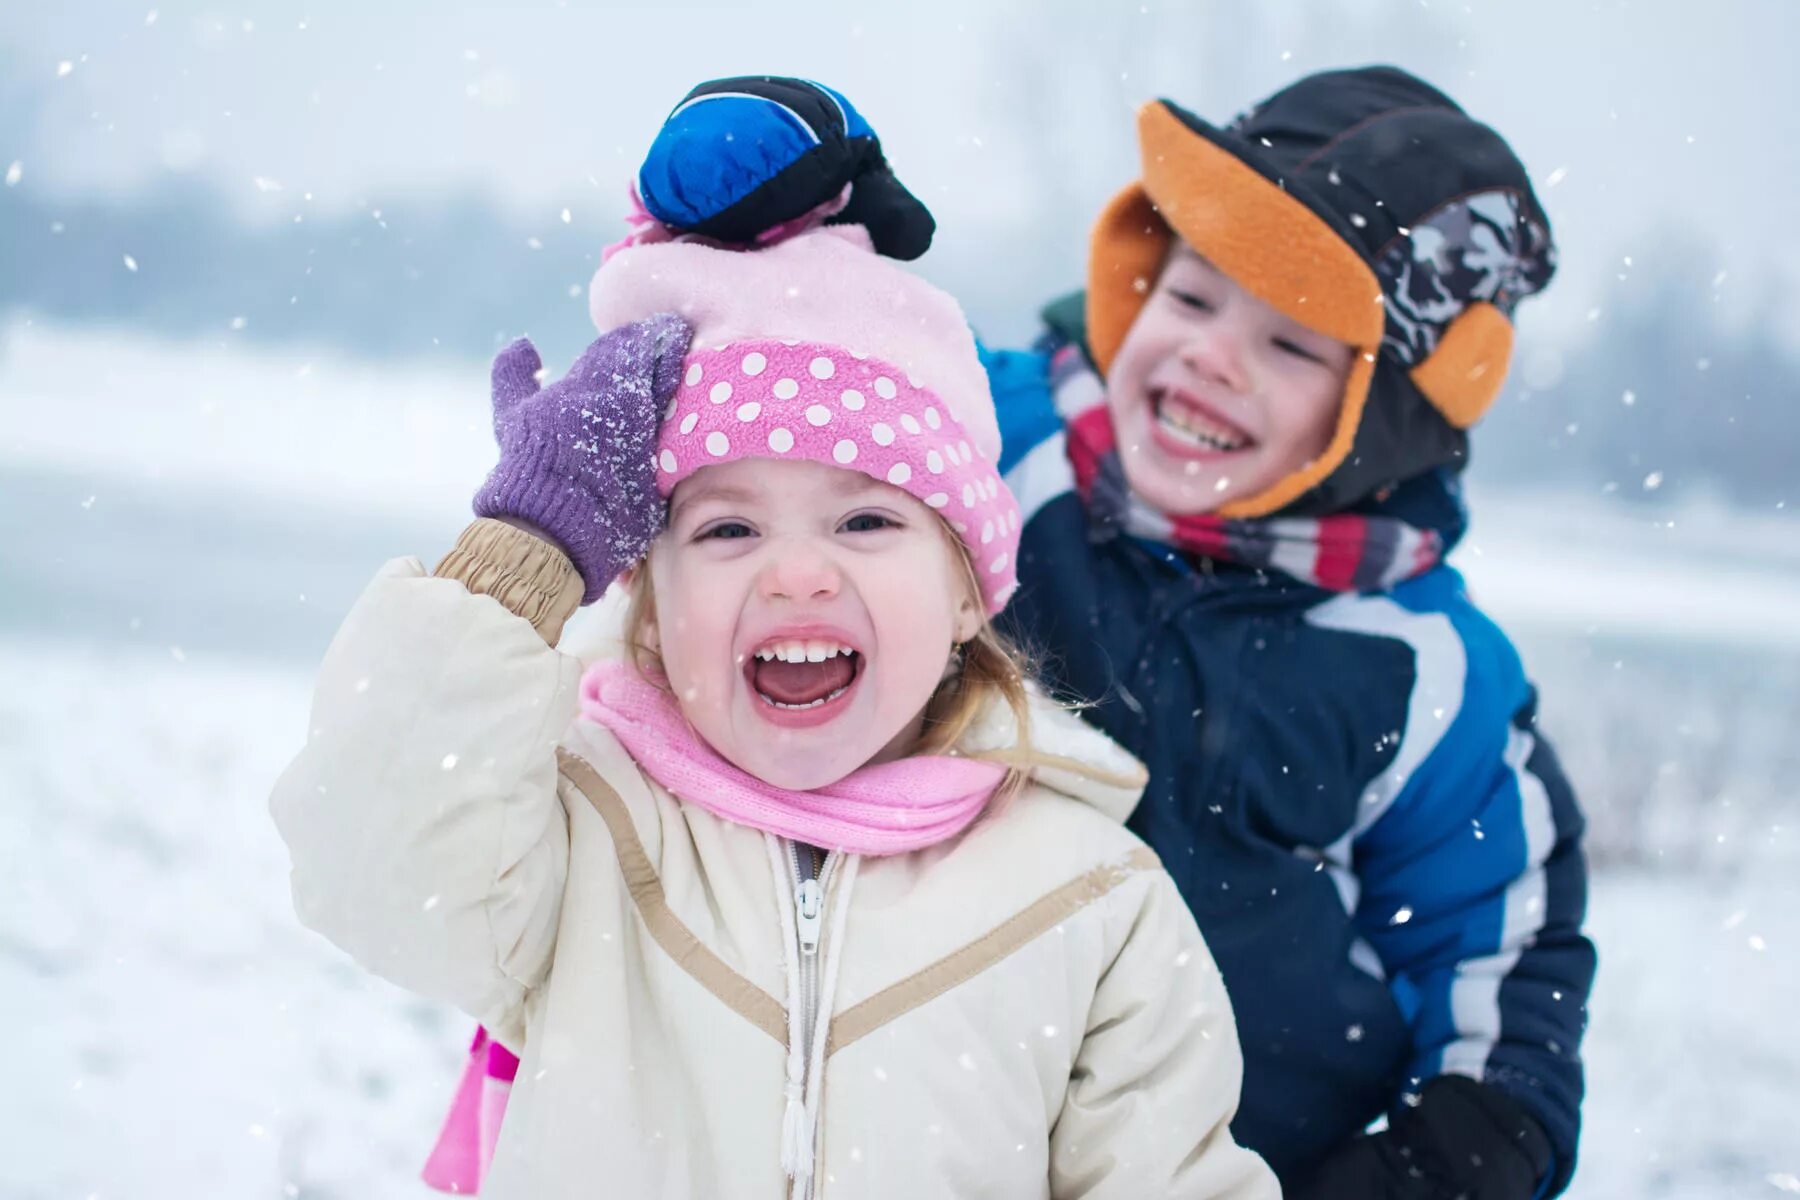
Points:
x=1463, y=1140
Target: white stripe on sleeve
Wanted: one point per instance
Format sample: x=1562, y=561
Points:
x=1475, y=993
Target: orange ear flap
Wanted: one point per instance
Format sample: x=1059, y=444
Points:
x=1125, y=255
x=1463, y=375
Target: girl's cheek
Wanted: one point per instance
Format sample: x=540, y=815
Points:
x=697, y=675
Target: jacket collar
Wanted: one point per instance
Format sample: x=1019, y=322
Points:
x=1068, y=755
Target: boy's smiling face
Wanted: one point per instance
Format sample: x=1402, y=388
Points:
x=1215, y=395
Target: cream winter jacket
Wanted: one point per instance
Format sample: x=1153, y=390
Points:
x=1026, y=1010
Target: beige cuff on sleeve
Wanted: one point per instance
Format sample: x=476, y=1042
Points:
x=528, y=575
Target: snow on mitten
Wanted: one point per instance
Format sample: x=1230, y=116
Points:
x=576, y=457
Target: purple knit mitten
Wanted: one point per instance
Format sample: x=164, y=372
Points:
x=577, y=457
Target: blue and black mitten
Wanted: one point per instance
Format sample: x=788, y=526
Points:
x=740, y=156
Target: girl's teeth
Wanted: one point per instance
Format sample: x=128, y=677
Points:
x=809, y=704
x=802, y=651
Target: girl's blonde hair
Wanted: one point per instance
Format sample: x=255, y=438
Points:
x=994, y=670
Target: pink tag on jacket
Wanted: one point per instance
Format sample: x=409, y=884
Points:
x=465, y=1146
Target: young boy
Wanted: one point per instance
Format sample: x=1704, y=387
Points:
x=1237, y=455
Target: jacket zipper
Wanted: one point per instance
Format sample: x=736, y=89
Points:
x=810, y=882
x=810, y=879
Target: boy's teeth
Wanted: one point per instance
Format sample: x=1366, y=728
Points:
x=798, y=651
x=1196, y=428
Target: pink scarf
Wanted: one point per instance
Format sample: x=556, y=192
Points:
x=890, y=808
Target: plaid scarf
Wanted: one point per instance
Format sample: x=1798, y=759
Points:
x=1343, y=552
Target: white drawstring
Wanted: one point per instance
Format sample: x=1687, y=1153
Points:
x=796, y=1134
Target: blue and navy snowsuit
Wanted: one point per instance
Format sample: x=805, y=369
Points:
x=1350, y=790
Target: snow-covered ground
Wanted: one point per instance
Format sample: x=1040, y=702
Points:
x=175, y=1033
x=181, y=525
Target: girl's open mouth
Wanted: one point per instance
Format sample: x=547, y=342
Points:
x=803, y=681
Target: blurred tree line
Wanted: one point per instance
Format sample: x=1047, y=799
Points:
x=1659, y=398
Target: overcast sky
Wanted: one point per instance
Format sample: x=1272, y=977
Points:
x=1637, y=119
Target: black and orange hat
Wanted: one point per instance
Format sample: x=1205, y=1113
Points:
x=1364, y=204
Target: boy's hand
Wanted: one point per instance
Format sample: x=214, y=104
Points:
x=576, y=458
x=1462, y=1141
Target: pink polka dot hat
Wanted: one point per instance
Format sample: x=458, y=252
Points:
x=817, y=348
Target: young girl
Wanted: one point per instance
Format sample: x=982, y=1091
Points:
x=811, y=896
